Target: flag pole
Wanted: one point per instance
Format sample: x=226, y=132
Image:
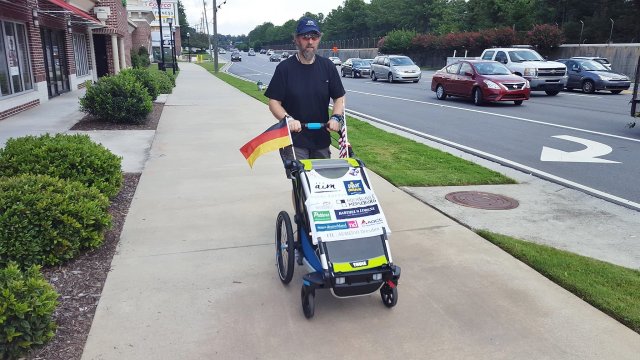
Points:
x=291, y=139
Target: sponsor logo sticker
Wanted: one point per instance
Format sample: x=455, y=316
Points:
x=332, y=226
x=352, y=224
x=357, y=264
x=324, y=187
x=371, y=222
x=354, y=187
x=357, y=212
x=321, y=215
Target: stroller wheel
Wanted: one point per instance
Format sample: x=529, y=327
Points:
x=389, y=295
x=308, y=297
x=284, y=247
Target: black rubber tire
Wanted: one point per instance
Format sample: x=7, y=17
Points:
x=616, y=92
x=389, y=295
x=390, y=78
x=308, y=298
x=588, y=87
x=343, y=74
x=552, y=92
x=373, y=76
x=285, y=253
x=440, y=93
x=518, y=102
x=477, y=97
x=415, y=81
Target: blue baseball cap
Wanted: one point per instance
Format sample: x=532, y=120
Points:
x=307, y=25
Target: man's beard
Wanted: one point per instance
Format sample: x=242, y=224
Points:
x=308, y=53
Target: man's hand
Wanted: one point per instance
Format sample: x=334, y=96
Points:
x=294, y=125
x=333, y=125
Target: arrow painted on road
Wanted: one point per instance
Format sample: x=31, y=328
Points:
x=590, y=154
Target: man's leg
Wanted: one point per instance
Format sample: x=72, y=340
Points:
x=320, y=153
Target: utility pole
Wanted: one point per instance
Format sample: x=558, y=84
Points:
x=204, y=5
x=215, y=37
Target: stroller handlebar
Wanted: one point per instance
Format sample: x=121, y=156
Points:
x=314, y=126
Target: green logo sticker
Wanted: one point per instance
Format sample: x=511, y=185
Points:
x=321, y=215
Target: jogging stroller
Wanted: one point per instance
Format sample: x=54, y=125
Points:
x=341, y=233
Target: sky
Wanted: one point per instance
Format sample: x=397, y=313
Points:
x=238, y=17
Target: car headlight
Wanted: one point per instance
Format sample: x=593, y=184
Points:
x=491, y=85
x=529, y=71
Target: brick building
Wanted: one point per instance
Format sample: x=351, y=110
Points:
x=49, y=47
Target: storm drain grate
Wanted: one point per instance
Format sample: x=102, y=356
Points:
x=482, y=200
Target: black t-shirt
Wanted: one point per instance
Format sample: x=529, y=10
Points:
x=305, y=92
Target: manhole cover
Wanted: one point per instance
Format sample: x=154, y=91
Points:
x=482, y=200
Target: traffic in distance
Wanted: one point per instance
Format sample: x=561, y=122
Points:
x=538, y=121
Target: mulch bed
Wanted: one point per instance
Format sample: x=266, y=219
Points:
x=80, y=281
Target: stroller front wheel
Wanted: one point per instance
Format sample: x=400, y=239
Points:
x=285, y=253
x=308, y=296
x=389, y=295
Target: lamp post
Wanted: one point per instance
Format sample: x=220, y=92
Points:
x=581, y=28
x=215, y=37
x=161, y=65
x=173, y=60
x=189, y=46
x=611, y=32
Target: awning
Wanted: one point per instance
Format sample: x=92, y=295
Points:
x=75, y=11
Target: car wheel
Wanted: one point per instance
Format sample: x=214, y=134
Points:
x=477, y=97
x=440, y=93
x=616, y=92
x=518, y=102
x=343, y=74
x=588, y=87
x=390, y=77
x=373, y=76
x=552, y=92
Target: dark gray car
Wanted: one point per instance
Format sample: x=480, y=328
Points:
x=355, y=67
x=590, y=76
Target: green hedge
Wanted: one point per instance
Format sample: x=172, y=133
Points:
x=27, y=303
x=119, y=99
x=47, y=221
x=165, y=81
x=146, y=78
x=72, y=157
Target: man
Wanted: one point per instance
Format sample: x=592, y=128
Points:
x=299, y=92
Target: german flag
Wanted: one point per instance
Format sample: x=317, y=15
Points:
x=275, y=137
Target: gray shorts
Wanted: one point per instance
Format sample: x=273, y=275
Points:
x=302, y=154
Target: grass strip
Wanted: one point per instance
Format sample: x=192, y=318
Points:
x=400, y=161
x=613, y=289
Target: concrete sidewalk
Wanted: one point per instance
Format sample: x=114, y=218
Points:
x=194, y=276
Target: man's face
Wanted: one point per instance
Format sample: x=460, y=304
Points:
x=307, y=44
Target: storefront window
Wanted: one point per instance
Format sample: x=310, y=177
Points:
x=15, y=72
x=80, y=53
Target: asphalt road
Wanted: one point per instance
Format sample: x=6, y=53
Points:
x=579, y=140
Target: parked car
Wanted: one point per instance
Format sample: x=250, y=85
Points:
x=274, y=57
x=284, y=55
x=355, y=67
x=236, y=56
x=601, y=60
x=480, y=80
x=263, y=51
x=222, y=51
x=269, y=52
x=543, y=75
x=335, y=60
x=252, y=53
x=395, y=68
x=590, y=76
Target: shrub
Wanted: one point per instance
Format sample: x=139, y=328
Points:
x=119, y=99
x=72, y=157
x=398, y=41
x=145, y=78
x=164, y=81
x=27, y=303
x=140, y=59
x=47, y=221
x=545, y=36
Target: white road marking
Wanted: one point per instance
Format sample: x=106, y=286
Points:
x=498, y=115
x=589, y=154
x=514, y=164
x=584, y=95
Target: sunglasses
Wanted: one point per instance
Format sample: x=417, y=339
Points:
x=310, y=36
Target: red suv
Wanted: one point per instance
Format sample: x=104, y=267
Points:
x=480, y=80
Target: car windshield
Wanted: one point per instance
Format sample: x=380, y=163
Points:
x=591, y=65
x=359, y=63
x=401, y=61
x=492, y=69
x=524, y=55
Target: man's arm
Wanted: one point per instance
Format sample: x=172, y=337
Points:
x=275, y=106
x=338, y=109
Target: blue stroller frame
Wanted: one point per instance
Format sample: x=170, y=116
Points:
x=352, y=266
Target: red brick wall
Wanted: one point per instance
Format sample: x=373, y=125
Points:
x=18, y=109
x=141, y=36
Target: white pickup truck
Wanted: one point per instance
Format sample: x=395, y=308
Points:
x=543, y=75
